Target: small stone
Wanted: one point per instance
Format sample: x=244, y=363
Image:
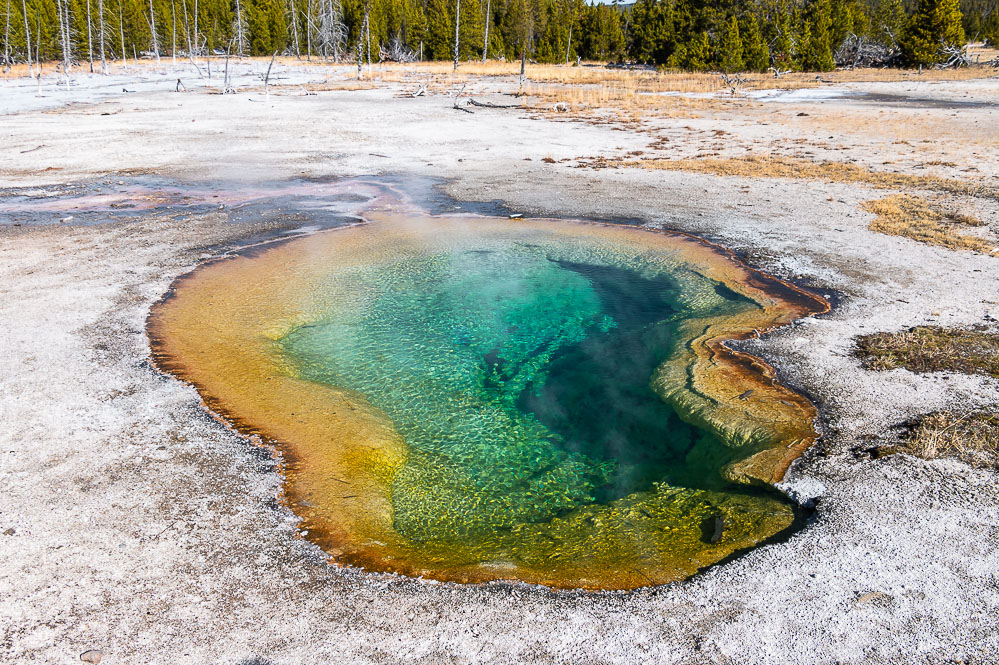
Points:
x=9, y=532
x=91, y=656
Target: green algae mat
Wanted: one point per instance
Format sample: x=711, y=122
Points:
x=476, y=399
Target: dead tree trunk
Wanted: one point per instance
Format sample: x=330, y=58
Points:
x=62, y=12
x=360, y=38
x=197, y=35
x=294, y=29
x=568, y=45
x=190, y=47
x=267, y=76
x=100, y=36
x=27, y=35
x=121, y=33
x=485, y=38
x=152, y=23
x=367, y=37
x=308, y=31
x=6, y=40
x=90, y=39
x=457, y=25
x=240, y=30
x=332, y=32
x=173, y=34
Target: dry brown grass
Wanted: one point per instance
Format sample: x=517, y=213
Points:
x=753, y=166
x=980, y=52
x=972, y=438
x=622, y=105
x=932, y=349
x=916, y=218
x=590, y=73
x=674, y=80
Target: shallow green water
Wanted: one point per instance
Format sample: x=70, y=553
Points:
x=518, y=375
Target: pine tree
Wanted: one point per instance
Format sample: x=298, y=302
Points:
x=755, y=54
x=990, y=29
x=890, y=22
x=948, y=19
x=783, y=49
x=817, y=56
x=731, y=50
x=698, y=53
x=934, y=25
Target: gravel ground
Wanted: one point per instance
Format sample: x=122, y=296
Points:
x=134, y=524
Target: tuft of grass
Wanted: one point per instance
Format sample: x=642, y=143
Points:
x=755, y=166
x=972, y=437
x=916, y=218
x=932, y=349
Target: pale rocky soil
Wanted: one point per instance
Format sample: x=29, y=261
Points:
x=135, y=524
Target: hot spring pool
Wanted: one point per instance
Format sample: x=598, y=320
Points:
x=473, y=399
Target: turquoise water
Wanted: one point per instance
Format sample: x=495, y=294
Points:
x=518, y=374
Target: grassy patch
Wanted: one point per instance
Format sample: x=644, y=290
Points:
x=972, y=438
x=916, y=218
x=754, y=166
x=932, y=349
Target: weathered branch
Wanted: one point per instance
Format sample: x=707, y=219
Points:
x=489, y=105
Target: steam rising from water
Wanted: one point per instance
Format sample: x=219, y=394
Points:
x=474, y=399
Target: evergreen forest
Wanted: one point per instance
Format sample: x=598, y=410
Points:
x=697, y=35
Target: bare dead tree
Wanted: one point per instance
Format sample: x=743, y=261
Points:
x=308, y=31
x=65, y=38
x=121, y=32
x=100, y=35
x=27, y=35
x=173, y=17
x=734, y=82
x=396, y=51
x=778, y=72
x=239, y=30
x=332, y=32
x=90, y=39
x=152, y=26
x=523, y=66
x=227, y=87
x=458, y=107
x=485, y=38
x=955, y=56
x=190, y=46
x=187, y=31
x=857, y=51
x=294, y=28
x=38, y=51
x=197, y=35
x=457, y=25
x=6, y=39
x=267, y=76
x=568, y=44
x=360, y=40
